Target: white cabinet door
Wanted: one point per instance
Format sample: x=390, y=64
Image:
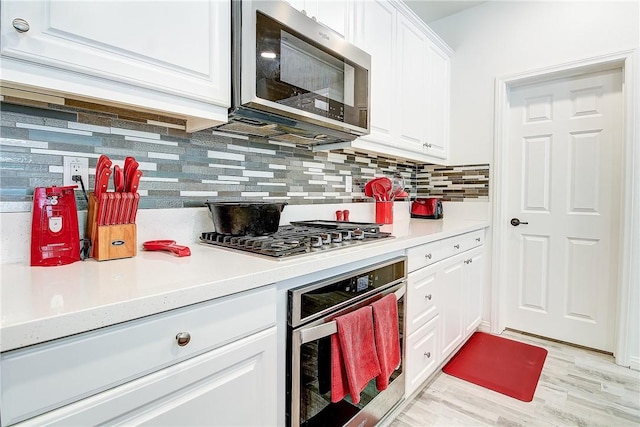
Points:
x=452, y=303
x=234, y=385
x=375, y=33
x=331, y=13
x=179, y=49
x=412, y=112
x=472, y=289
x=437, y=102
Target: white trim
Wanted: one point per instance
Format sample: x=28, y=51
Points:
x=627, y=273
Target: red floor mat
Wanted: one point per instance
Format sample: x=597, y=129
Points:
x=499, y=364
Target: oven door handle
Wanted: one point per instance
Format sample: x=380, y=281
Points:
x=330, y=328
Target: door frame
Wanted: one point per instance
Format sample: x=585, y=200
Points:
x=628, y=275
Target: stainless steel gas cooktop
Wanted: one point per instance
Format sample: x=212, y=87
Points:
x=301, y=238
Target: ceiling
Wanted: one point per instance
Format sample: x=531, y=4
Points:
x=432, y=10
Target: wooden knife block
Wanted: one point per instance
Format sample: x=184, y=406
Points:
x=109, y=241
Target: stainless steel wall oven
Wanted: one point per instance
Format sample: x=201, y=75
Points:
x=311, y=309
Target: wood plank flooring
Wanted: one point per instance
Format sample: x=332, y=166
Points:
x=577, y=387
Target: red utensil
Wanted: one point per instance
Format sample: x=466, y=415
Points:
x=134, y=208
x=109, y=211
x=368, y=189
x=135, y=181
x=130, y=167
x=126, y=207
x=382, y=188
x=102, y=209
x=118, y=179
x=102, y=182
x=115, y=213
x=166, y=245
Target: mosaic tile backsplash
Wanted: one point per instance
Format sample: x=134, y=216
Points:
x=185, y=169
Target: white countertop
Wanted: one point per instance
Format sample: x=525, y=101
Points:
x=45, y=303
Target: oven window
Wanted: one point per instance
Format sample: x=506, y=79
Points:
x=294, y=71
x=316, y=408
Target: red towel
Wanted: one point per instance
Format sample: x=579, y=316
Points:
x=353, y=355
x=385, y=327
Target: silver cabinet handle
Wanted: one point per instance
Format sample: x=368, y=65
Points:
x=456, y=246
x=428, y=256
x=477, y=239
x=20, y=25
x=427, y=145
x=428, y=297
x=183, y=338
x=427, y=354
x=468, y=261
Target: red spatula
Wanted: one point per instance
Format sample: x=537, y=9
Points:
x=166, y=245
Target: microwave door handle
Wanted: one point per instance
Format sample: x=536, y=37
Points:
x=330, y=328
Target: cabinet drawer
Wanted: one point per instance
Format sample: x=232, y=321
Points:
x=424, y=255
x=463, y=242
x=422, y=355
x=43, y=377
x=429, y=253
x=421, y=298
x=203, y=390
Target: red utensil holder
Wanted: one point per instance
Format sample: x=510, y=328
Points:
x=384, y=212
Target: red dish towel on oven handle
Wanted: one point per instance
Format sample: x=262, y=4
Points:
x=387, y=338
x=354, y=361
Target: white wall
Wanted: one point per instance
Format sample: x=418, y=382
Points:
x=502, y=38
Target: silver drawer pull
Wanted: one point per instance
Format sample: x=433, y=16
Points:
x=183, y=338
x=428, y=354
x=456, y=246
x=477, y=239
x=428, y=297
x=20, y=25
x=428, y=256
x=468, y=261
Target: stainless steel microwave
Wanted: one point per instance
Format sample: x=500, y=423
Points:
x=294, y=79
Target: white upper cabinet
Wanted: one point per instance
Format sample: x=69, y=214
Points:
x=412, y=85
x=171, y=57
x=331, y=13
x=438, y=102
x=375, y=33
x=409, y=83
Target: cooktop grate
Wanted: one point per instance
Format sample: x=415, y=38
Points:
x=300, y=238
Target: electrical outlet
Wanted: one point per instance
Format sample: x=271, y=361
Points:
x=75, y=166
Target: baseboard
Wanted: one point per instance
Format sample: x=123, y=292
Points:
x=634, y=363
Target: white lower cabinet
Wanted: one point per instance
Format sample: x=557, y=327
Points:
x=229, y=386
x=422, y=355
x=444, y=302
x=212, y=363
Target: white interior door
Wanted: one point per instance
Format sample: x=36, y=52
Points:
x=564, y=184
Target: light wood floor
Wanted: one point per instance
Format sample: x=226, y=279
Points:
x=577, y=387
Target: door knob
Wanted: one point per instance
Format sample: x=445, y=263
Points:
x=516, y=222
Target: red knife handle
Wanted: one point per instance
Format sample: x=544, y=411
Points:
x=135, y=181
